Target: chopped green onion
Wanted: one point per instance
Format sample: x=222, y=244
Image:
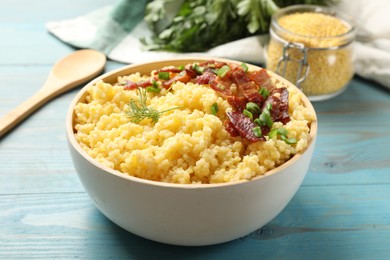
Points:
x=257, y=131
x=253, y=108
x=269, y=106
x=258, y=122
x=282, y=131
x=244, y=66
x=153, y=89
x=181, y=67
x=163, y=75
x=273, y=133
x=291, y=140
x=155, y=84
x=266, y=118
x=197, y=68
x=222, y=71
x=248, y=114
x=214, y=109
x=264, y=92
x=266, y=111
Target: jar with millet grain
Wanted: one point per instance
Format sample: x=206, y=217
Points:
x=312, y=47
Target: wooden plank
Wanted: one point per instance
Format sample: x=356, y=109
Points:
x=341, y=211
x=317, y=219
x=352, y=147
x=25, y=12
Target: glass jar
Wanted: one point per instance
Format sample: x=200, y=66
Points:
x=312, y=47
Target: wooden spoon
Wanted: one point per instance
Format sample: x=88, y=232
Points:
x=71, y=71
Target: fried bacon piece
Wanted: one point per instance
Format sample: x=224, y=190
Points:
x=231, y=129
x=130, y=85
x=243, y=125
x=206, y=78
x=237, y=103
x=245, y=86
x=261, y=78
x=212, y=64
x=222, y=86
x=169, y=69
x=279, y=111
x=184, y=76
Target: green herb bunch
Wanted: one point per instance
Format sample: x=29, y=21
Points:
x=198, y=25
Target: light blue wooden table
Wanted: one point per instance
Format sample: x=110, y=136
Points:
x=342, y=210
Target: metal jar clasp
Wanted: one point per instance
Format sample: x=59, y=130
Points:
x=303, y=69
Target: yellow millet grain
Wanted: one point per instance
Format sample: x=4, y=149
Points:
x=330, y=70
x=313, y=26
x=186, y=145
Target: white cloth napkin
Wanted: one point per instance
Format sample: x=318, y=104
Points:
x=100, y=30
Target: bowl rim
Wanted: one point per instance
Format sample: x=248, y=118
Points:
x=157, y=64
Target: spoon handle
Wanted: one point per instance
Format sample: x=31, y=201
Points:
x=19, y=113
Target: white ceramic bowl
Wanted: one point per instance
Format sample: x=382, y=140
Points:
x=186, y=214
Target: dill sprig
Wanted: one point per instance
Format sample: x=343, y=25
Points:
x=138, y=110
